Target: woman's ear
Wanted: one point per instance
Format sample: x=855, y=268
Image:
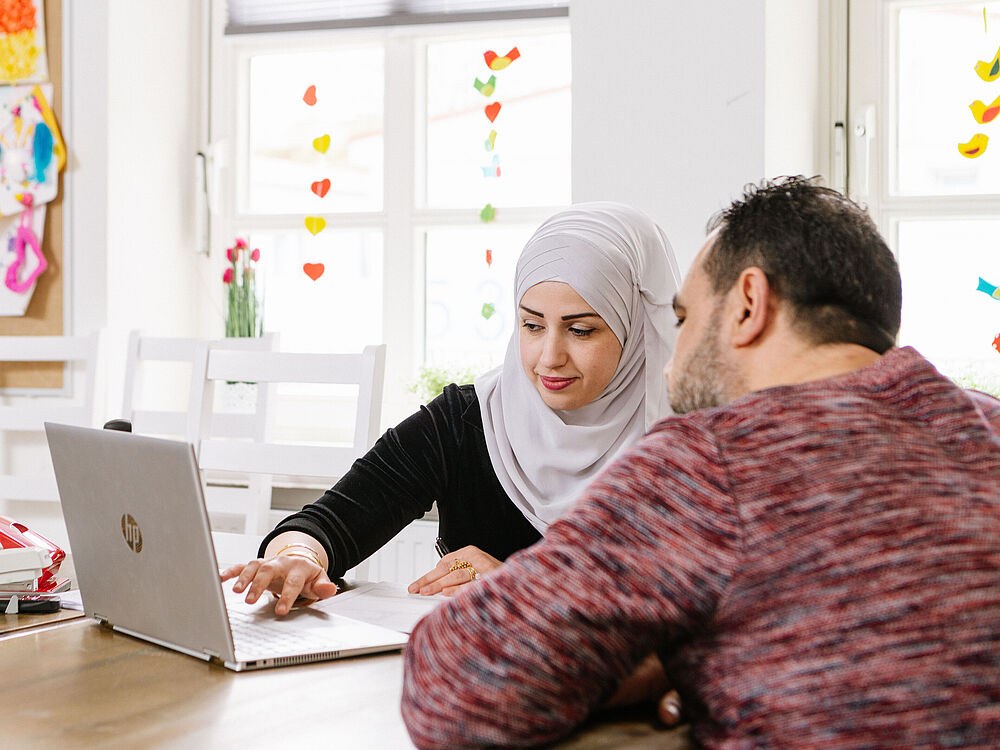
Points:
x=753, y=302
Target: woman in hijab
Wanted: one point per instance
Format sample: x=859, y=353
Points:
x=582, y=380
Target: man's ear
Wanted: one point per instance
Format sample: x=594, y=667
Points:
x=752, y=299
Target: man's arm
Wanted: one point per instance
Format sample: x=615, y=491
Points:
x=525, y=655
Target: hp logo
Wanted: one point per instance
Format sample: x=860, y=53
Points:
x=132, y=533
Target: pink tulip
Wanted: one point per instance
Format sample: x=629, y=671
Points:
x=232, y=254
x=255, y=255
x=227, y=276
x=241, y=244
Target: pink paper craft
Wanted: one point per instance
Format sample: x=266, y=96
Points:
x=25, y=235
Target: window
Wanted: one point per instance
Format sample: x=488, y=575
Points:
x=912, y=82
x=410, y=164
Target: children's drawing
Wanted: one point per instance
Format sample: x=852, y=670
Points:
x=313, y=270
x=31, y=149
x=21, y=258
x=499, y=63
x=975, y=147
x=985, y=113
x=491, y=140
x=488, y=214
x=310, y=96
x=489, y=310
x=489, y=257
x=989, y=71
x=22, y=42
x=492, y=110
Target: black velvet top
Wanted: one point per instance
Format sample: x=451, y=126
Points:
x=438, y=454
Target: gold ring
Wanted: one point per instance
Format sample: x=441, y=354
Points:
x=473, y=574
x=457, y=564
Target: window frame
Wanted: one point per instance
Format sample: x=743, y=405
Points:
x=405, y=216
x=873, y=115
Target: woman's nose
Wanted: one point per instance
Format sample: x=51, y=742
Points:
x=553, y=350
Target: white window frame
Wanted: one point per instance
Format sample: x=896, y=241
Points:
x=404, y=216
x=873, y=115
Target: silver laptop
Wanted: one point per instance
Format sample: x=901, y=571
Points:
x=144, y=559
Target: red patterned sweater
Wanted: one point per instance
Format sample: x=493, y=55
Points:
x=818, y=565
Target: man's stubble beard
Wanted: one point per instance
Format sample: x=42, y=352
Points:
x=704, y=381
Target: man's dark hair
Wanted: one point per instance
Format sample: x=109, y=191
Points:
x=822, y=255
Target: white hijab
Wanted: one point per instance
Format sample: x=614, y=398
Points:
x=622, y=265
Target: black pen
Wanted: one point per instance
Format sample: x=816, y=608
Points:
x=439, y=546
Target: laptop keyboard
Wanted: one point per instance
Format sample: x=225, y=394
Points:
x=250, y=635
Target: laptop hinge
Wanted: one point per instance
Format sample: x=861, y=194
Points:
x=102, y=620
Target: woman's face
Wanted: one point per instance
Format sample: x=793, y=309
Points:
x=567, y=350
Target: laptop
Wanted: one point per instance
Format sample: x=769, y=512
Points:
x=142, y=549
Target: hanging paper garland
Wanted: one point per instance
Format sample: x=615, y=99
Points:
x=319, y=188
x=981, y=113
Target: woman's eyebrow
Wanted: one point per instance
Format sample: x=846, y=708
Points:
x=574, y=316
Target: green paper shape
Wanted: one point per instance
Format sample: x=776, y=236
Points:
x=488, y=213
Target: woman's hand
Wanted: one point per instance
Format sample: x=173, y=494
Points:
x=288, y=570
x=453, y=571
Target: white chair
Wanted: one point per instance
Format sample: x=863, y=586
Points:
x=27, y=469
x=264, y=458
x=164, y=383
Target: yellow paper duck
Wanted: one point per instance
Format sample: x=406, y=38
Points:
x=974, y=147
x=985, y=113
x=989, y=71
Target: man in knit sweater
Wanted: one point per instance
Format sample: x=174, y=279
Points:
x=812, y=550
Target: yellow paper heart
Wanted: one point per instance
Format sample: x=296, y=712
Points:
x=322, y=143
x=315, y=224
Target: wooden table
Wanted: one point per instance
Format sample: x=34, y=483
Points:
x=78, y=685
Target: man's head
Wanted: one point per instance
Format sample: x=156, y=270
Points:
x=789, y=247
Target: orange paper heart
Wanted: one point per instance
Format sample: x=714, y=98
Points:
x=314, y=270
x=310, y=96
x=322, y=143
x=315, y=224
x=321, y=187
x=492, y=110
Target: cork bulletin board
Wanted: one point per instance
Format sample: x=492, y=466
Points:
x=44, y=316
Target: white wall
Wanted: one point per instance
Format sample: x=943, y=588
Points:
x=155, y=280
x=792, y=102
x=677, y=105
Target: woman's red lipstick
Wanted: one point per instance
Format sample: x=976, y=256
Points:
x=555, y=384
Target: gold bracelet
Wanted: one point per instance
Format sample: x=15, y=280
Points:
x=312, y=556
x=315, y=561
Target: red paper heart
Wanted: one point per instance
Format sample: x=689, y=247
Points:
x=321, y=187
x=314, y=270
x=310, y=96
x=492, y=110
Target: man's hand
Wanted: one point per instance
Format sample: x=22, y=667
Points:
x=648, y=683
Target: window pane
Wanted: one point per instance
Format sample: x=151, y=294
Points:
x=341, y=311
x=460, y=283
x=532, y=145
x=944, y=316
x=938, y=48
x=349, y=104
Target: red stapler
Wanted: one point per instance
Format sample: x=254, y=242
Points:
x=15, y=536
